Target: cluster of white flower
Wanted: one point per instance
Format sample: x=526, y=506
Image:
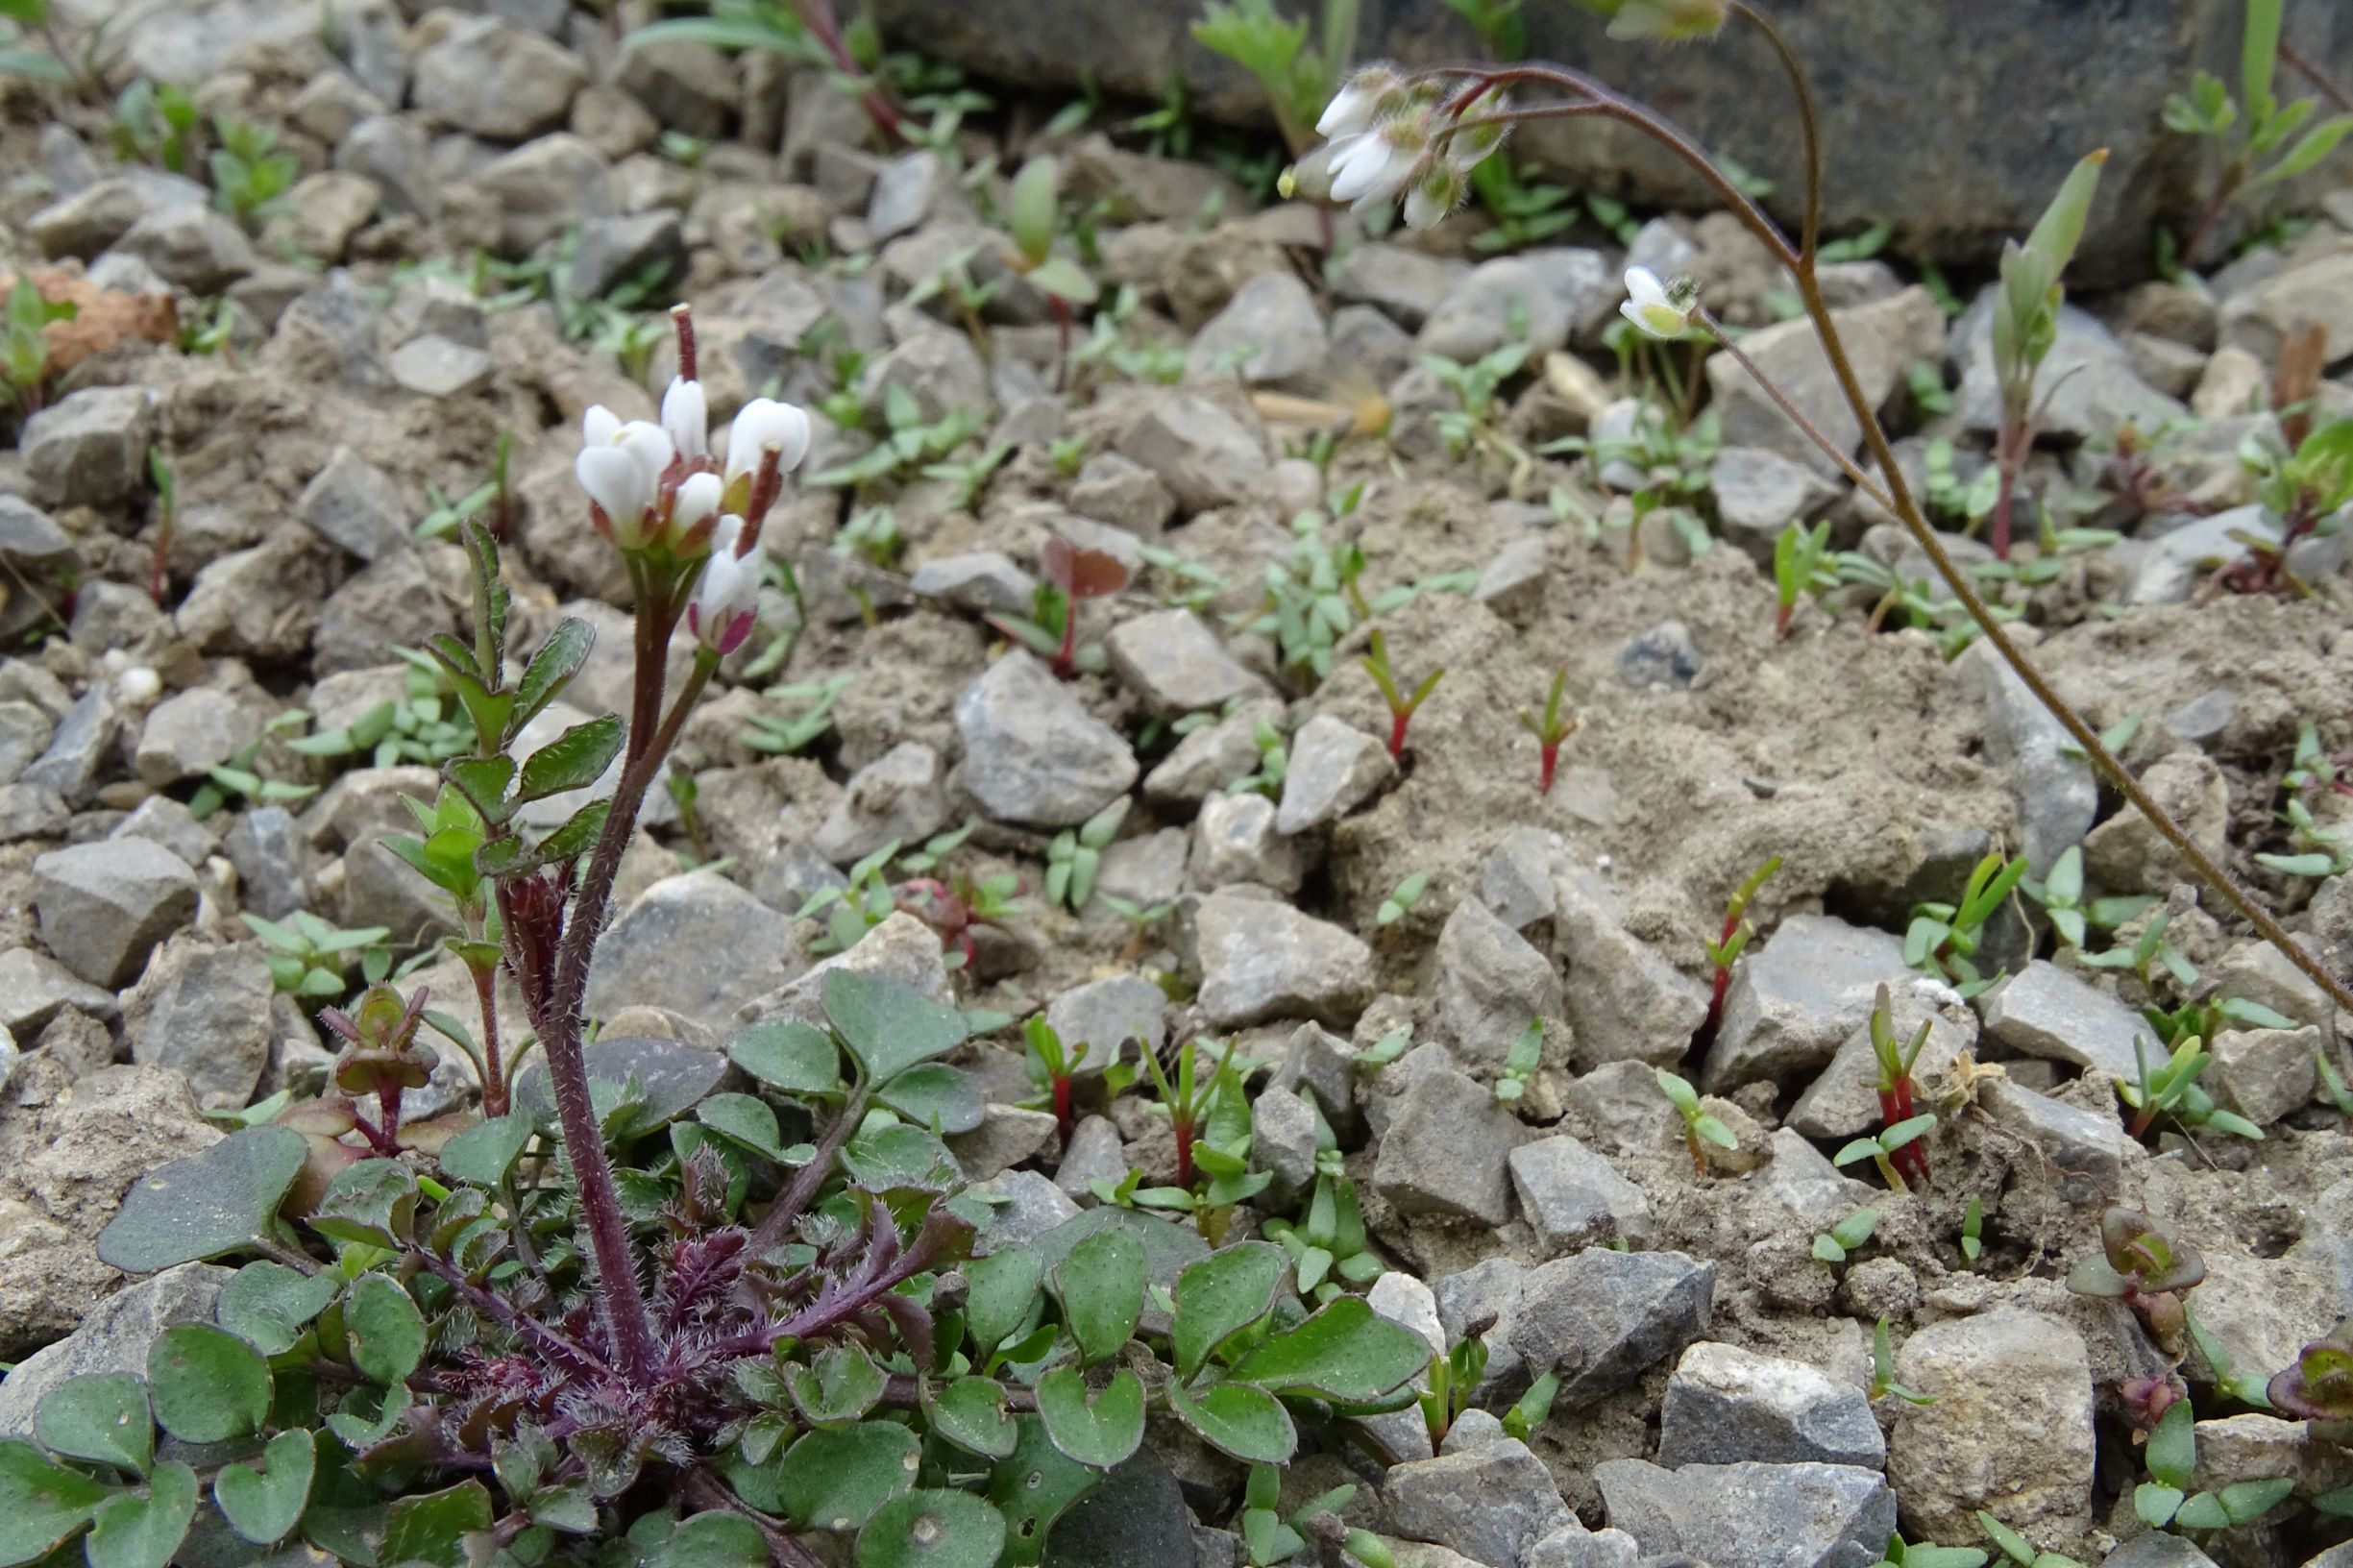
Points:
x=656, y=491
x=1387, y=136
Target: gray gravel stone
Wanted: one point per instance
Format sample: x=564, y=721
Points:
x=901, y=948
x=1502, y=301
x=1512, y=582
x=192, y=248
x=1576, y=1546
x=1573, y=1198
x=32, y=811
x=2044, y=1011
x=1319, y=1063
x=2074, y=1139
x=984, y=582
x=1663, y=658
x=697, y=944
x=114, y=1337
x=1335, y=768
x=2266, y=1073
x=204, y=1011
x=1212, y=757
x=911, y=187
x=1796, y=998
x=1202, y=453
x=1492, y=1504
x=1007, y=1135
x=1603, y=1318
x=1270, y=333
x=355, y=505
x=1728, y=1405
x=34, y=986
x=1262, y=960
x=79, y=747
x=1446, y=1151
x=434, y=366
x=901, y=795
x=1751, y=1516
x=2057, y=797
x=90, y=447
x=1628, y=1001
x=1024, y=1206
x=1408, y=285
x=189, y=733
x=1177, y=663
x=1095, y=1154
x=1282, y=1143
x=1105, y=1015
x=1123, y=493
x=1032, y=754
x=24, y=735
x=940, y=370
x=1760, y=493
x=1882, y=340
x=1844, y=1101
x=1491, y=985
x=104, y=906
x=497, y=82
x=264, y=847
x=2010, y=1431
x=29, y=539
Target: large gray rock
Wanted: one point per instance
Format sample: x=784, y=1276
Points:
x=1032, y=754
x=1602, y=1318
x=104, y=906
x=204, y=1011
x=1270, y=333
x=1626, y=999
x=2043, y=1011
x=1264, y=960
x=1491, y=986
x=1751, y=1516
x=2092, y=1146
x=1446, y=1151
x=1884, y=340
x=1176, y=664
x=1490, y=1503
x=497, y=82
x=1573, y=1198
x=1333, y=768
x=2009, y=1429
x=1796, y=997
x=90, y=447
x=1895, y=151
x=1728, y=1405
x=1202, y=453
x=697, y=944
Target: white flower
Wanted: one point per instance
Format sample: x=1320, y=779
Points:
x=621, y=468
x=687, y=418
x=600, y=427
x=1652, y=307
x=726, y=596
x=1351, y=110
x=1372, y=168
x=699, y=497
x=763, y=426
x=1470, y=144
x=1432, y=197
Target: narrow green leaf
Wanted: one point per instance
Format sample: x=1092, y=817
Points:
x=573, y=760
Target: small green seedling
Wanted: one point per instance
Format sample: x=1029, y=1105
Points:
x=1140, y=920
x=2302, y=494
x=1212, y=1124
x=1901, y=1554
x=2145, y=1265
x=1883, y=1149
x=1527, y=1053
x=1883, y=1368
x=1073, y=575
x=1530, y=1411
x=423, y=725
x=157, y=125
x=1942, y=938
x=2164, y=1500
x=2171, y=1089
x=1327, y=1243
x=1550, y=730
x=1973, y=1230
x=249, y=177
x=2026, y=327
x=1274, y=765
x=308, y=957
x=1896, y=1089
x=1381, y=1052
x=1833, y=1245
x=2319, y=852
x=789, y=737
x=2319, y=1385
x=2017, y=1547
x=1454, y=1376
x=2262, y=153
x=24, y=344
x=2149, y=954
x=1798, y=569
x=1068, y=456
x=238, y=778
x=1298, y=80
x=1700, y=1128
x=1053, y=1068
x=1402, y=899
x=1034, y=218
x=1401, y=707
x=2333, y=1084
x=1733, y=941
x=1076, y=856
x=2061, y=895
x=1267, y=1540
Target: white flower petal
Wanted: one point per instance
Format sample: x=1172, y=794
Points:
x=616, y=482
x=698, y=497
x=1350, y=111
x=687, y=417
x=600, y=426
x=1643, y=287
x=649, y=446
x=763, y=426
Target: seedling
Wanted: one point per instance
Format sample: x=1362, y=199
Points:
x=805, y=32
x=248, y=178
x=1381, y=1052
x=1798, y=569
x=1942, y=938
x=1068, y=456
x=2319, y=1385
x=1212, y=1124
x=1074, y=856
x=24, y=344
x=1053, y=1069
x=957, y=908
x=2061, y=897
x=1034, y=218
x=1401, y=707
x=1883, y=1368
x=2261, y=152
x=2319, y=852
x=1921, y=1555
x=1192, y=585
x=2333, y=1082
x=1296, y=80
x=1327, y=1243
x=1530, y=1411
x=1074, y=575
x=424, y=726
x=2171, y=1089
x=2145, y=1265
x=167, y=514
x=2164, y=1500
x=970, y=475
x=2313, y=768
x=1267, y=1540
x=155, y=125
x=1454, y=1376
x=1402, y=899
x=2302, y=496
x=1475, y=430
x=1527, y=1053
x=308, y=957
x=789, y=737
x=1973, y=1230
x=1700, y=1128
x=2018, y=1549
x=1882, y=1150
x=238, y=778
x=1833, y=1245
x=1501, y=28
x=2149, y=954
x=1550, y=731
x=1140, y=920
x=1274, y=765
x=906, y=443
x=492, y=495
x=2026, y=327
x=1733, y=941
x=1894, y=1085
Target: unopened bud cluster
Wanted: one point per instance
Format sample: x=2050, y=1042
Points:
x=1388, y=137
x=658, y=492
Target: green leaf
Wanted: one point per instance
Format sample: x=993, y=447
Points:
x=571, y=761
x=1066, y=279
x=578, y=834
x=485, y=1152
x=1856, y=1229
x=719, y=1538
x=840, y=1384
x=553, y=666
x=1827, y=1249
x=1248, y=1423
x=971, y=1413
x=836, y=1479
x=2204, y=1511
x=263, y=1505
x=932, y=1529
x=384, y=1331
x=789, y=1055
x=208, y=1387
x=207, y=1204
x=2306, y=155
x=2060, y=228
x=484, y=782
x=1031, y=211
x=1101, y=1287
x=1096, y=1428
x=267, y=1305
x=1001, y=1289
x=2155, y=1503
x=2259, y=55
x=42, y=1502
x=433, y=1527
x=935, y=1092
x=1219, y=1296
x=1033, y=1488
x=745, y=1118
x=888, y=1024
x=373, y=1203
x=2172, y=1448
x=1345, y=1351
x=104, y=1419
x=2247, y=1501
x=136, y=1530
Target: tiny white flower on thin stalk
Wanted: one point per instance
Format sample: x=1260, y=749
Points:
x=1434, y=196
x=686, y=417
x=763, y=426
x=1658, y=309
x=621, y=468
x=726, y=596
x=1358, y=103
x=1371, y=170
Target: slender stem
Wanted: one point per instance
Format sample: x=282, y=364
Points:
x=817, y=15
x=1808, y=125
x=795, y=1198
x=494, y=1079
x=2223, y=193
x=2302, y=64
x=2009, y=453
x=1781, y=400
x=503, y=1310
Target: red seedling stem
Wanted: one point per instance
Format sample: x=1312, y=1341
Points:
x=1397, y=733
x=1723, y=975
x=1184, y=1129
x=1063, y=1118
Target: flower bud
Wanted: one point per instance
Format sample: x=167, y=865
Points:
x=726, y=598
x=766, y=425
x=686, y=418
x=1661, y=310
x=1358, y=103
x=1434, y=195
x=1371, y=170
